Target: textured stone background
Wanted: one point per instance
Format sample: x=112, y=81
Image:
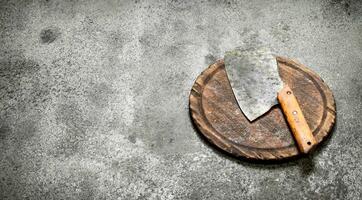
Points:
x=94, y=98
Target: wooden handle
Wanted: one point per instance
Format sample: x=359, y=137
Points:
x=300, y=129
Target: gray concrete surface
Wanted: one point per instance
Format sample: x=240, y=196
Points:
x=94, y=98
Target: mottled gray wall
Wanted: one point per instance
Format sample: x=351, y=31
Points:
x=94, y=98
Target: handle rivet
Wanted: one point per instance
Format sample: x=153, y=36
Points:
x=289, y=92
x=294, y=112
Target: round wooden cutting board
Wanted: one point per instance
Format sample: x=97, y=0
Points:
x=218, y=117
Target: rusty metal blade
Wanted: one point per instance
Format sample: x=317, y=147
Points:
x=254, y=78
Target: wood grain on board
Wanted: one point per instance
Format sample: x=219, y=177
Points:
x=218, y=117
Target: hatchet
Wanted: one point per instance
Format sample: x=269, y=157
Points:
x=254, y=77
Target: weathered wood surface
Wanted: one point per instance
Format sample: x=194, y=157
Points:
x=216, y=114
